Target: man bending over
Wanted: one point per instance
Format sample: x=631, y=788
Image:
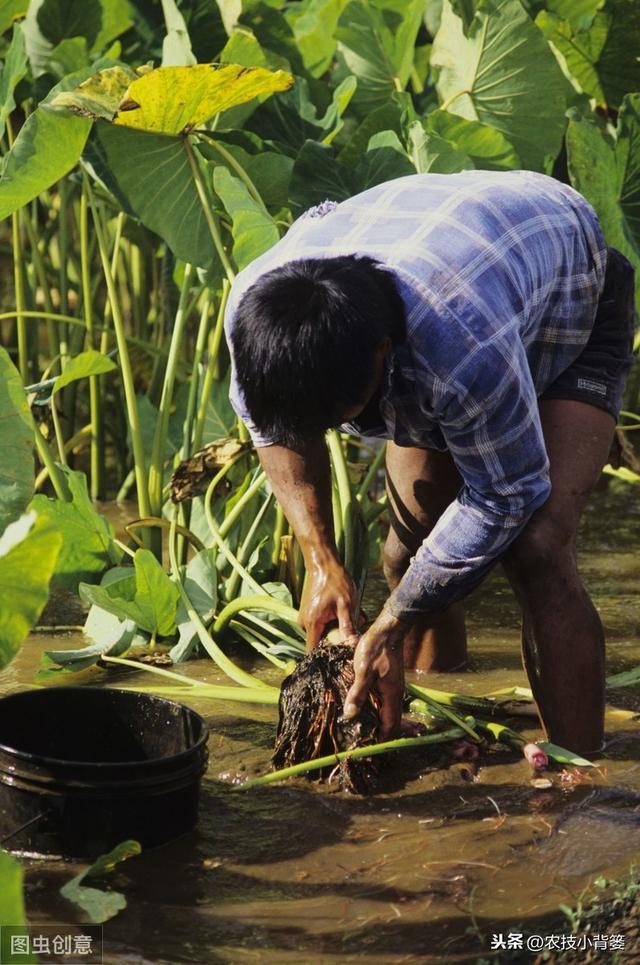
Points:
x=478, y=322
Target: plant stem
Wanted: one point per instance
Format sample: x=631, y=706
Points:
x=217, y=655
x=237, y=167
x=215, y=338
x=372, y=750
x=206, y=209
x=125, y=367
x=156, y=466
x=95, y=409
x=258, y=602
x=57, y=479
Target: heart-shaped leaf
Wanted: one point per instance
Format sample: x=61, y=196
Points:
x=16, y=443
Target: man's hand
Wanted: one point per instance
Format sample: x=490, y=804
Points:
x=379, y=666
x=329, y=594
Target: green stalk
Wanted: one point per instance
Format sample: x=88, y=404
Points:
x=95, y=408
x=277, y=632
x=247, y=547
x=373, y=750
x=239, y=695
x=242, y=504
x=215, y=338
x=220, y=542
x=484, y=706
x=371, y=474
x=217, y=655
x=260, y=695
x=156, y=467
x=41, y=275
x=57, y=479
x=125, y=367
x=206, y=209
x=237, y=167
x=258, y=642
x=345, y=497
x=115, y=257
x=258, y=602
x=18, y=275
x=192, y=401
x=58, y=431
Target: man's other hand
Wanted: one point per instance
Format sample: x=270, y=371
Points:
x=329, y=594
x=379, y=665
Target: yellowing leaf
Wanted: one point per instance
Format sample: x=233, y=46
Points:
x=174, y=100
x=100, y=95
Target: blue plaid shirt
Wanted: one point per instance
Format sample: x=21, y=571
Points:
x=500, y=275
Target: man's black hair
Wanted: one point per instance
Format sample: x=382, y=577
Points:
x=304, y=342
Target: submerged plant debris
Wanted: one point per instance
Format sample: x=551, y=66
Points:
x=311, y=724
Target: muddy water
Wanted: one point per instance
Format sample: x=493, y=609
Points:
x=425, y=872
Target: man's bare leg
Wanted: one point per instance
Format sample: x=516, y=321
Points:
x=421, y=483
x=563, y=640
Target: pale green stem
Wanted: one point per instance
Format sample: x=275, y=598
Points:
x=57, y=479
x=156, y=466
x=220, y=542
x=215, y=338
x=58, y=431
x=201, y=342
x=345, y=497
x=247, y=547
x=371, y=750
x=217, y=655
x=242, y=504
x=258, y=642
x=125, y=368
x=258, y=602
x=206, y=209
x=371, y=474
x=237, y=167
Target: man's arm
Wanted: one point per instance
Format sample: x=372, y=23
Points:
x=301, y=481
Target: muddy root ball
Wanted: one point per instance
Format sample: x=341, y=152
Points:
x=311, y=724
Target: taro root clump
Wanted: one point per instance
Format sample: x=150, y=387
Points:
x=311, y=725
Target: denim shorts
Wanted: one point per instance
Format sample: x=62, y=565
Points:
x=599, y=374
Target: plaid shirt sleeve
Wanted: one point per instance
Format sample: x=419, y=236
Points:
x=491, y=425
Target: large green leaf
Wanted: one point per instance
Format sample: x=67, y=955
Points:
x=254, y=230
x=149, y=597
x=174, y=100
x=375, y=41
x=579, y=13
x=16, y=443
x=318, y=176
x=88, y=548
x=11, y=10
x=476, y=145
x=47, y=147
x=111, y=637
x=13, y=70
x=430, y=153
x=151, y=176
x=314, y=27
x=28, y=551
x=292, y=119
x=504, y=75
x=99, y=95
x=608, y=174
x=600, y=58
x=58, y=19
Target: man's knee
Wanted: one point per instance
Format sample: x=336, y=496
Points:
x=545, y=547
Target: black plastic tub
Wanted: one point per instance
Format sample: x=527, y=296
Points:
x=82, y=770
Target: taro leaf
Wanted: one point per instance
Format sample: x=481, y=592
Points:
x=175, y=100
x=58, y=19
x=390, y=117
x=11, y=904
x=16, y=443
x=580, y=52
x=619, y=65
x=273, y=32
x=316, y=177
x=254, y=230
x=176, y=46
x=151, y=175
x=466, y=10
x=68, y=56
x=431, y=153
x=149, y=598
x=243, y=48
x=314, y=29
x=504, y=75
x=99, y=95
x=292, y=118
x=11, y=10
x=200, y=582
x=271, y=173
x=220, y=419
x=376, y=42
x=116, y=19
x=13, y=70
x=100, y=905
x=609, y=175
x=28, y=551
x=486, y=148
x=384, y=160
x=579, y=13
x=47, y=147
x=87, y=548
x=110, y=635
x=83, y=366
